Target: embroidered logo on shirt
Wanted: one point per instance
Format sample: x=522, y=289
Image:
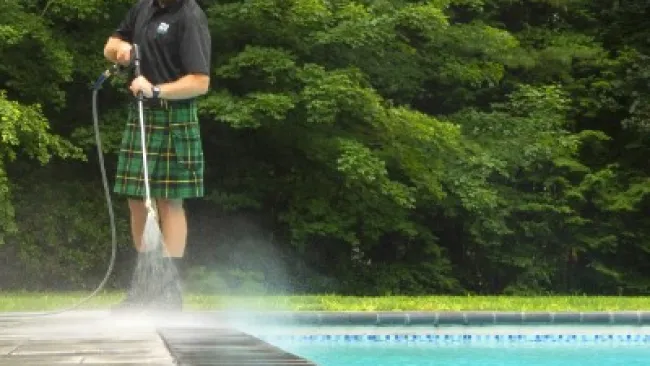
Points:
x=162, y=28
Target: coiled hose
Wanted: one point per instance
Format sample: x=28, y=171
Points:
x=109, y=203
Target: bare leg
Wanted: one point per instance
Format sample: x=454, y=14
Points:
x=174, y=226
x=138, y=219
x=135, y=294
x=174, y=229
x=165, y=291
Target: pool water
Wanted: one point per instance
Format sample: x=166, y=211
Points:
x=424, y=354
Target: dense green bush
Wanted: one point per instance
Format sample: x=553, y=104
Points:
x=375, y=147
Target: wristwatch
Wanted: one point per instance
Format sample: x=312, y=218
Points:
x=155, y=90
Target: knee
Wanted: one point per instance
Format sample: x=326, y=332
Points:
x=170, y=207
x=137, y=207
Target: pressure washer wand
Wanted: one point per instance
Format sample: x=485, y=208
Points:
x=140, y=97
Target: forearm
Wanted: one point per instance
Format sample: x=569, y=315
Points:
x=188, y=86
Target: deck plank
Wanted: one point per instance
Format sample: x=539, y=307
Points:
x=224, y=347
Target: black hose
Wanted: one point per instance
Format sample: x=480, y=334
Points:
x=109, y=203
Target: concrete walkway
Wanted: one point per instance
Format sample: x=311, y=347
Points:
x=135, y=339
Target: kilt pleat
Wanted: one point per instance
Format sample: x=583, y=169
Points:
x=174, y=153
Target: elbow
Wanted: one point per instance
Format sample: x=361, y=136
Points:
x=203, y=83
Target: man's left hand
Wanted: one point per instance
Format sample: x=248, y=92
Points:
x=141, y=84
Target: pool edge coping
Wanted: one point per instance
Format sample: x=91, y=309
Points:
x=402, y=318
x=437, y=318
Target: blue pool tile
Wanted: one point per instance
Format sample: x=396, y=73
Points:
x=465, y=338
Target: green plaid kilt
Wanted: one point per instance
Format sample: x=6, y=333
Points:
x=174, y=152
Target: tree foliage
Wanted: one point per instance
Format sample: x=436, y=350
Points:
x=380, y=147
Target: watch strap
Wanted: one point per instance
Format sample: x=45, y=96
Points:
x=155, y=91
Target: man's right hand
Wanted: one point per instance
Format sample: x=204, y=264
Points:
x=118, y=51
x=124, y=54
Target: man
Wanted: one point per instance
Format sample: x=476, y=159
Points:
x=175, y=49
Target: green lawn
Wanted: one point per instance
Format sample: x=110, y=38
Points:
x=11, y=301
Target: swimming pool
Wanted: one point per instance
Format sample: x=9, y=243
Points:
x=586, y=339
x=465, y=346
x=425, y=354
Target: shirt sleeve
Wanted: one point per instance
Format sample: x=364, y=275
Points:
x=125, y=30
x=196, y=43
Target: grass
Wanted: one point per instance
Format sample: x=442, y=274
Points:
x=26, y=301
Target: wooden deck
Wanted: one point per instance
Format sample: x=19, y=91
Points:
x=224, y=347
x=97, y=338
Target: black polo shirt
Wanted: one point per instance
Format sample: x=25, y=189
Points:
x=174, y=41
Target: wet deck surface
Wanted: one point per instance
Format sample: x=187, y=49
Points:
x=192, y=346
x=101, y=338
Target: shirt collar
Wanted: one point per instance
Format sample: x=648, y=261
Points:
x=169, y=8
